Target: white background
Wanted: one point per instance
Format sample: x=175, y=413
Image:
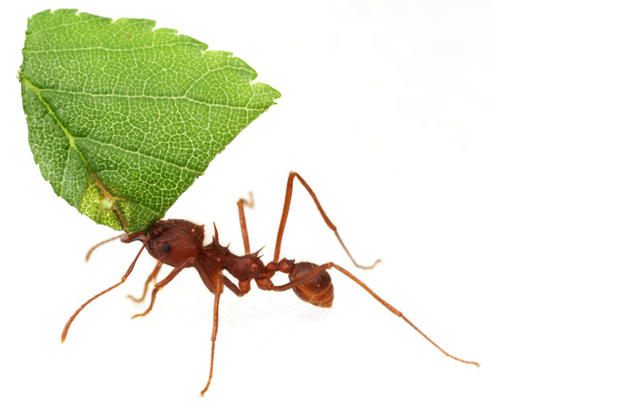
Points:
x=510, y=237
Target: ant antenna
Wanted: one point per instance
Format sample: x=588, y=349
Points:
x=90, y=251
x=124, y=278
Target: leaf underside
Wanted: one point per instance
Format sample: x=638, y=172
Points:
x=123, y=117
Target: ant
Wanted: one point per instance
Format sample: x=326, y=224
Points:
x=180, y=244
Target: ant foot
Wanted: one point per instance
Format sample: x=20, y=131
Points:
x=138, y=315
x=136, y=300
x=371, y=266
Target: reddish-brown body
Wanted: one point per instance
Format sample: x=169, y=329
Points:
x=181, y=244
x=318, y=291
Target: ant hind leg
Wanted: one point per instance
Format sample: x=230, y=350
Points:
x=330, y=265
x=396, y=312
x=285, y=214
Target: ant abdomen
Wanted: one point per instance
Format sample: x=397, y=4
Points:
x=317, y=291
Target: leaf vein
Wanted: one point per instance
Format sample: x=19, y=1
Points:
x=167, y=97
x=106, y=49
x=72, y=145
x=64, y=172
x=173, y=164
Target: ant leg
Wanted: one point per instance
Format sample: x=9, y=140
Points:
x=95, y=246
x=243, y=221
x=398, y=313
x=285, y=214
x=315, y=272
x=126, y=275
x=151, y=278
x=214, y=332
x=240, y=290
x=384, y=303
x=162, y=284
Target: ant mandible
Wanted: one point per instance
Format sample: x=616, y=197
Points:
x=179, y=243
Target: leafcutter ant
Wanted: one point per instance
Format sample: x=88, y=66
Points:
x=180, y=244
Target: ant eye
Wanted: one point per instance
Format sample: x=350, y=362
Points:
x=165, y=247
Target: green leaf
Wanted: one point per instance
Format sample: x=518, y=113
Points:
x=123, y=117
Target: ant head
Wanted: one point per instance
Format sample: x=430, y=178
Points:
x=171, y=241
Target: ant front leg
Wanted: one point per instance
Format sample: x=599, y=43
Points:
x=285, y=214
x=162, y=284
x=152, y=278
